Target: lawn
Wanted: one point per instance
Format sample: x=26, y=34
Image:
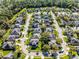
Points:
x=4, y=52
x=48, y=58
x=7, y=34
x=64, y=57
x=22, y=56
x=37, y=48
x=65, y=38
x=37, y=57
x=0, y=42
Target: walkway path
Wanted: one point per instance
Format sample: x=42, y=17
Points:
x=63, y=44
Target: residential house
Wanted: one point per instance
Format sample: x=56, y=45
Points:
x=8, y=45
x=9, y=56
x=37, y=30
x=16, y=31
x=34, y=42
x=17, y=26
x=19, y=20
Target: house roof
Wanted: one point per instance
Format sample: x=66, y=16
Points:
x=17, y=25
x=16, y=31
x=11, y=37
x=49, y=29
x=8, y=45
x=37, y=30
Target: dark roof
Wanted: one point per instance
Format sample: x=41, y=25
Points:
x=16, y=31
x=8, y=46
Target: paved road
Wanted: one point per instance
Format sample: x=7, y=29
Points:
x=63, y=44
x=23, y=46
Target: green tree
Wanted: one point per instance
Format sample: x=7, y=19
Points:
x=46, y=48
x=54, y=47
x=45, y=37
x=59, y=40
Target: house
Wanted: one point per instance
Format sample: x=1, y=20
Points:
x=11, y=37
x=77, y=51
x=47, y=24
x=76, y=23
x=74, y=40
x=49, y=29
x=69, y=34
x=34, y=42
x=37, y=10
x=8, y=45
x=37, y=35
x=38, y=20
x=52, y=42
x=52, y=36
x=63, y=23
x=45, y=13
x=46, y=20
x=35, y=25
x=37, y=30
x=17, y=26
x=16, y=31
x=19, y=20
x=9, y=56
x=37, y=16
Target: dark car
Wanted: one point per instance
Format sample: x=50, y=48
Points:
x=61, y=51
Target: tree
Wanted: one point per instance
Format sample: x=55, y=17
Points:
x=46, y=48
x=66, y=18
x=2, y=32
x=45, y=37
x=59, y=40
x=54, y=47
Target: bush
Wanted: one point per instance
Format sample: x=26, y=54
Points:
x=2, y=32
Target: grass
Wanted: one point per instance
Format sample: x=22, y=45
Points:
x=27, y=41
x=4, y=53
x=7, y=34
x=39, y=47
x=0, y=42
x=48, y=58
x=37, y=57
x=22, y=56
x=56, y=33
x=65, y=38
x=64, y=57
x=36, y=49
x=15, y=54
x=74, y=53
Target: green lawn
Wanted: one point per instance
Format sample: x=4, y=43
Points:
x=65, y=39
x=27, y=41
x=48, y=58
x=56, y=33
x=64, y=57
x=37, y=57
x=0, y=42
x=5, y=52
x=37, y=48
x=22, y=56
x=7, y=34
